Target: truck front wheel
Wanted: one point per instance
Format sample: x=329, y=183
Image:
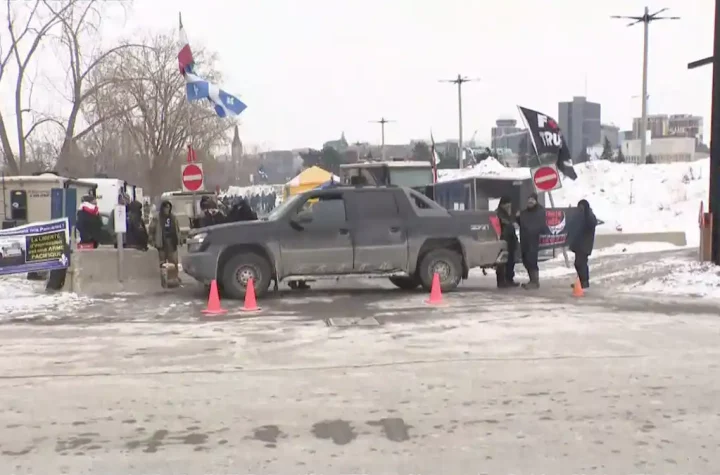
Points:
x=240, y=269
x=447, y=264
x=405, y=283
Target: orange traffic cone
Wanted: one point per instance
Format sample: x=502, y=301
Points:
x=435, y=291
x=250, y=300
x=213, y=305
x=577, y=289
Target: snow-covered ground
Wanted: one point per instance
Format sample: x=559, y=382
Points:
x=21, y=297
x=685, y=278
x=627, y=197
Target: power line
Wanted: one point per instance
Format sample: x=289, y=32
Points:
x=460, y=80
x=645, y=19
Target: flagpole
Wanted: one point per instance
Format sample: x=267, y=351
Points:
x=190, y=150
x=552, y=201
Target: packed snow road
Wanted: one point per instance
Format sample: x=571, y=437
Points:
x=492, y=382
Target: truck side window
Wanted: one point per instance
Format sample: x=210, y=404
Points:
x=377, y=205
x=325, y=209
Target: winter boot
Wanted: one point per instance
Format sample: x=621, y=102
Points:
x=534, y=280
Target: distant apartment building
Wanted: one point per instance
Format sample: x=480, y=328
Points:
x=657, y=124
x=579, y=121
x=508, y=137
x=686, y=125
x=610, y=132
x=662, y=150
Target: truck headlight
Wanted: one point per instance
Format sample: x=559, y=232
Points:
x=195, y=243
x=198, y=238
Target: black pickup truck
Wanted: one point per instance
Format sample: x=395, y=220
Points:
x=390, y=232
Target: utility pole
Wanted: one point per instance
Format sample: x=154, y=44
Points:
x=382, y=123
x=460, y=80
x=714, y=137
x=645, y=19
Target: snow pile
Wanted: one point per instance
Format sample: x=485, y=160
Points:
x=641, y=198
x=489, y=167
x=685, y=278
x=627, y=197
x=21, y=298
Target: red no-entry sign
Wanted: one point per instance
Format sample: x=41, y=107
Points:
x=192, y=177
x=546, y=178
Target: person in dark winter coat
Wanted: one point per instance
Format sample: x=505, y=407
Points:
x=137, y=235
x=505, y=273
x=211, y=213
x=532, y=223
x=165, y=234
x=89, y=223
x=241, y=211
x=582, y=240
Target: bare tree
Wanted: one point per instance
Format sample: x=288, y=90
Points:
x=149, y=107
x=80, y=23
x=25, y=40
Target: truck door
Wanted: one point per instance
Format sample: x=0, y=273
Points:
x=379, y=232
x=317, y=240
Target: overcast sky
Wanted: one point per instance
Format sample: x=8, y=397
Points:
x=311, y=69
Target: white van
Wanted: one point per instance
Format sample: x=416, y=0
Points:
x=108, y=190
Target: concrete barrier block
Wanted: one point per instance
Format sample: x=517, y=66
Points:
x=95, y=272
x=676, y=238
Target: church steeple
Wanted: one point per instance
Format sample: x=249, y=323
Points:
x=236, y=149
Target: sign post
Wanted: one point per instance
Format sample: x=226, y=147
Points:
x=192, y=177
x=546, y=178
x=193, y=180
x=120, y=225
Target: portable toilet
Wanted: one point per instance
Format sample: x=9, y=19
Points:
x=42, y=197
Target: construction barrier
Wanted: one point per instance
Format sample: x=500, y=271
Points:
x=95, y=272
x=676, y=238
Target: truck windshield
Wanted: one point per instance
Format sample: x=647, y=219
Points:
x=410, y=177
x=280, y=210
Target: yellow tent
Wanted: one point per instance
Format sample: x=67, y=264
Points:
x=308, y=179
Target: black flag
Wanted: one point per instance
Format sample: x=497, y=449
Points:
x=547, y=139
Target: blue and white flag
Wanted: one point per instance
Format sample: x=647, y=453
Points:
x=225, y=104
x=198, y=88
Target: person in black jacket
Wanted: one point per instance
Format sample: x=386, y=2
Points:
x=582, y=240
x=241, y=211
x=137, y=235
x=505, y=273
x=211, y=213
x=532, y=223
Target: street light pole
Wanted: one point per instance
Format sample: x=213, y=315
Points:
x=645, y=19
x=714, y=137
x=382, y=123
x=460, y=80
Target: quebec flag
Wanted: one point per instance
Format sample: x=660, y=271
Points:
x=225, y=104
x=198, y=88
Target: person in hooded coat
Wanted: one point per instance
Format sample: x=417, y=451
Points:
x=211, y=214
x=137, y=235
x=582, y=241
x=532, y=223
x=89, y=223
x=505, y=273
x=241, y=211
x=165, y=234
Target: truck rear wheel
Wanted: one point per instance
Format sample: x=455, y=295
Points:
x=444, y=262
x=405, y=283
x=240, y=269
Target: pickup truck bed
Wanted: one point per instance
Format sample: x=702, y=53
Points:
x=390, y=232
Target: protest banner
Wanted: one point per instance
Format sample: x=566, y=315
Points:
x=35, y=247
